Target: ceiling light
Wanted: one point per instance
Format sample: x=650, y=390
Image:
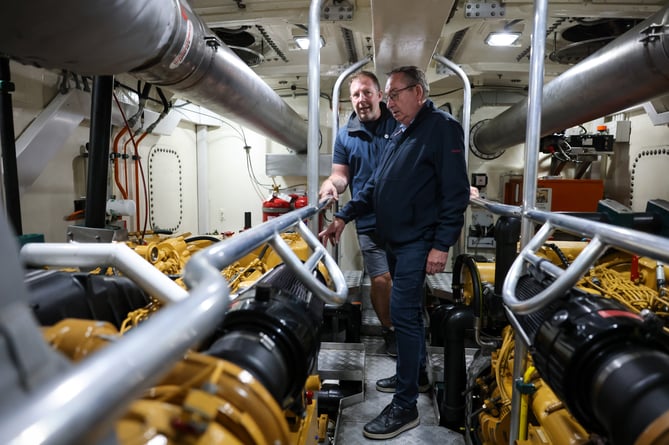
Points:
x=303, y=42
x=502, y=38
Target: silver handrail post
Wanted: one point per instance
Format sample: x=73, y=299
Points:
x=466, y=117
x=313, y=125
x=533, y=131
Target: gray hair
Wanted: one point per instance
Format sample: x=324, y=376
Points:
x=415, y=76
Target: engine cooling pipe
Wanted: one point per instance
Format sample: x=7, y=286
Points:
x=456, y=322
x=160, y=41
x=628, y=71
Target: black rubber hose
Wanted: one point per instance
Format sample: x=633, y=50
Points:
x=456, y=322
x=507, y=234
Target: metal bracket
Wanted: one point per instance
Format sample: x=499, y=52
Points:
x=484, y=9
x=653, y=32
x=337, y=10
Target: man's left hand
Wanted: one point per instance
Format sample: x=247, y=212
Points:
x=436, y=261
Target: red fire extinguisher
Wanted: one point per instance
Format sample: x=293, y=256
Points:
x=300, y=201
x=274, y=207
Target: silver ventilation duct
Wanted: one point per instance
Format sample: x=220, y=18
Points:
x=160, y=41
x=632, y=69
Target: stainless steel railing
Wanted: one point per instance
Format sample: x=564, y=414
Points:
x=600, y=236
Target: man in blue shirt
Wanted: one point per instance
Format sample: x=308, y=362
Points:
x=419, y=194
x=357, y=149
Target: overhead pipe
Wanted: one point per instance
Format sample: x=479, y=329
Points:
x=159, y=41
x=630, y=70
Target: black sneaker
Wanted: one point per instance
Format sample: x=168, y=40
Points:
x=390, y=341
x=390, y=384
x=392, y=421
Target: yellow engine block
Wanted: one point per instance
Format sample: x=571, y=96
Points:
x=202, y=400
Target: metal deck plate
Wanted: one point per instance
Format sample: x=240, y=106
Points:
x=353, y=419
x=341, y=361
x=358, y=361
x=354, y=282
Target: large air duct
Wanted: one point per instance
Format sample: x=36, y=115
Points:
x=632, y=69
x=160, y=41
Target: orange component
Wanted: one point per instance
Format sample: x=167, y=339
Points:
x=575, y=195
x=572, y=195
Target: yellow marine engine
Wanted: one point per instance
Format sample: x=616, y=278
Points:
x=251, y=382
x=596, y=371
x=162, y=348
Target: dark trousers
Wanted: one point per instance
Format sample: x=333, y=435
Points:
x=407, y=266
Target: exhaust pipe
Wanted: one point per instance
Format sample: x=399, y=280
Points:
x=159, y=41
x=632, y=69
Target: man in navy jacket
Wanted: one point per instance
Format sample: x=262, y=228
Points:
x=419, y=193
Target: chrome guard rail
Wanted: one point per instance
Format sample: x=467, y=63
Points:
x=497, y=208
x=601, y=236
x=223, y=254
x=80, y=405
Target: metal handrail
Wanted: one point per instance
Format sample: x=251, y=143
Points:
x=601, y=236
x=223, y=254
x=467, y=94
x=466, y=117
x=79, y=405
x=498, y=208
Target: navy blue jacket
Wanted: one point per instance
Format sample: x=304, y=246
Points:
x=420, y=189
x=360, y=145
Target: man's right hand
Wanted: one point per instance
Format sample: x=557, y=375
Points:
x=327, y=190
x=333, y=232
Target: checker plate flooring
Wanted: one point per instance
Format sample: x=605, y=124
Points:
x=367, y=362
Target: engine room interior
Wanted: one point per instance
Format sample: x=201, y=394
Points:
x=164, y=280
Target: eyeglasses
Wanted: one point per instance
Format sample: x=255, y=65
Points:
x=392, y=95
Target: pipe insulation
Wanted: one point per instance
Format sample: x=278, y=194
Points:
x=630, y=70
x=159, y=41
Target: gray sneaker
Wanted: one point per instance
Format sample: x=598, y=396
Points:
x=390, y=341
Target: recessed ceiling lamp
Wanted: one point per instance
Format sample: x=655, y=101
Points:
x=303, y=42
x=502, y=38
